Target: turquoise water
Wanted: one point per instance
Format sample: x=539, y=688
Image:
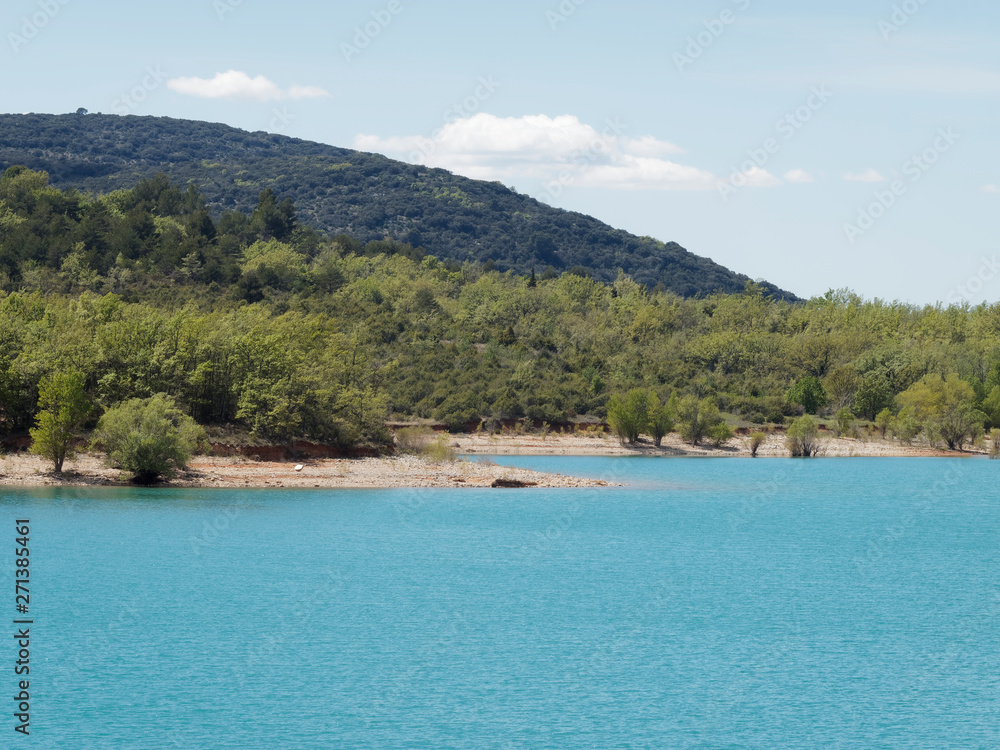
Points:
x=712, y=604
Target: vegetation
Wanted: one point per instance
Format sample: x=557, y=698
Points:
x=757, y=439
x=341, y=191
x=63, y=407
x=255, y=323
x=698, y=419
x=628, y=415
x=803, y=438
x=809, y=392
x=148, y=438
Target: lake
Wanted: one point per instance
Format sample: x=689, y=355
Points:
x=711, y=604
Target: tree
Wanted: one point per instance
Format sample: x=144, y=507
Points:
x=757, y=439
x=841, y=385
x=873, y=395
x=720, y=434
x=946, y=407
x=845, y=422
x=148, y=438
x=884, y=421
x=808, y=392
x=803, y=438
x=697, y=418
x=64, y=407
x=661, y=419
x=628, y=415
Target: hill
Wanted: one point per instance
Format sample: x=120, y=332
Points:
x=367, y=196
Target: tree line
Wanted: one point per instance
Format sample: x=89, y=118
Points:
x=255, y=322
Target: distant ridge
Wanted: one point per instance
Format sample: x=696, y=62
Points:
x=344, y=191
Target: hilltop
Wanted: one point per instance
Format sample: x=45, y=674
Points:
x=367, y=196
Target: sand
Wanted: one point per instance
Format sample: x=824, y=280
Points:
x=23, y=470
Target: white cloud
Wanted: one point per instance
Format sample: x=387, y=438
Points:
x=235, y=84
x=990, y=189
x=869, y=176
x=798, y=176
x=559, y=151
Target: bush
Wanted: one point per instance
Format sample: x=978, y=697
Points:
x=148, y=438
x=720, y=434
x=845, y=422
x=661, y=418
x=994, y=446
x=757, y=440
x=628, y=415
x=803, y=438
x=697, y=418
x=413, y=440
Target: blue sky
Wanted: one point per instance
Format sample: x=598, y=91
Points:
x=850, y=144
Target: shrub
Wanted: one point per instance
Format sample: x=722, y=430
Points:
x=661, y=418
x=845, y=422
x=148, y=438
x=803, y=438
x=413, y=440
x=756, y=440
x=994, y=446
x=720, y=434
x=696, y=418
x=628, y=415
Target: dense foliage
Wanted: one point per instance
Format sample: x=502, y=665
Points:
x=338, y=191
x=253, y=321
x=148, y=438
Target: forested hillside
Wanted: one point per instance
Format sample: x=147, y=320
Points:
x=254, y=321
x=338, y=191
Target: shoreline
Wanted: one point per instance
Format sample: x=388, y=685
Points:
x=605, y=444
x=205, y=472
x=411, y=472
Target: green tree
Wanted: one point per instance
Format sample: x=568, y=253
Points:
x=884, y=421
x=845, y=422
x=803, y=438
x=148, y=438
x=661, y=419
x=628, y=415
x=809, y=393
x=946, y=407
x=720, y=434
x=697, y=418
x=63, y=408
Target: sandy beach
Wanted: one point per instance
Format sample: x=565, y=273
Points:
x=606, y=444
x=23, y=470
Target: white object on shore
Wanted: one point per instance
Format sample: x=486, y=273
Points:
x=299, y=467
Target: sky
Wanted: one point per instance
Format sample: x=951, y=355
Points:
x=816, y=145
